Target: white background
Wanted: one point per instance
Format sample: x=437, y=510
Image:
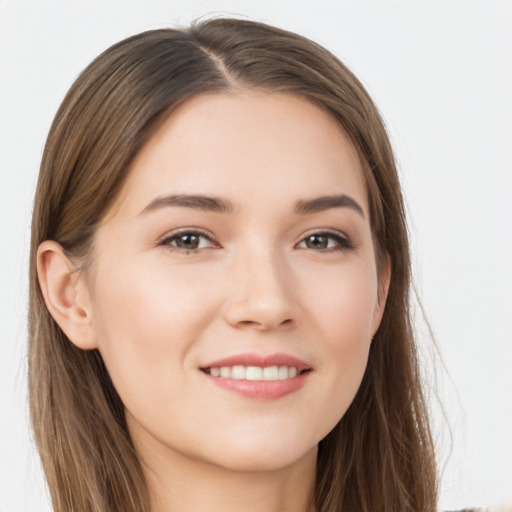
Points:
x=441, y=73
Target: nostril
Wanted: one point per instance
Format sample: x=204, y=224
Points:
x=262, y=313
x=247, y=322
x=265, y=325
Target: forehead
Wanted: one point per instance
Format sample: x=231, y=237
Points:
x=247, y=147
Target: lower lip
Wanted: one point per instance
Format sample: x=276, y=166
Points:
x=261, y=389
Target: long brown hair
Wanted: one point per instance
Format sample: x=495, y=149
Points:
x=380, y=456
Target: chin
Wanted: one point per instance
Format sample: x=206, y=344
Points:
x=257, y=463
x=246, y=455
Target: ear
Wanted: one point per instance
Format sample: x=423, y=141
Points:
x=66, y=294
x=382, y=293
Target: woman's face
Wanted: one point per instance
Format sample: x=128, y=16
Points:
x=240, y=245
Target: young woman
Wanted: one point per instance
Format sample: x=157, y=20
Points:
x=219, y=301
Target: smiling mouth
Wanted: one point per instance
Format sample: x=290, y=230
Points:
x=255, y=373
x=262, y=377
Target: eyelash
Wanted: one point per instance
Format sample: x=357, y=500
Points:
x=167, y=241
x=343, y=243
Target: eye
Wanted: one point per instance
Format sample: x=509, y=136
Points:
x=326, y=241
x=187, y=241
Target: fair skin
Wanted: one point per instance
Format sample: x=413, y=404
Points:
x=252, y=275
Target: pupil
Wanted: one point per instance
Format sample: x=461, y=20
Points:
x=188, y=241
x=317, y=242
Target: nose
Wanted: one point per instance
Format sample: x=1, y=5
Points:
x=262, y=294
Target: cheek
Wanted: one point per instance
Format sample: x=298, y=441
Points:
x=344, y=314
x=146, y=320
x=345, y=306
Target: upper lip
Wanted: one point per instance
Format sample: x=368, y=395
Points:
x=262, y=360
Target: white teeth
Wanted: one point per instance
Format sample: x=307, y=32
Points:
x=270, y=373
x=240, y=372
x=225, y=372
x=254, y=373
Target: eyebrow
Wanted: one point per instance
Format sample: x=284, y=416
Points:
x=320, y=204
x=219, y=205
x=196, y=202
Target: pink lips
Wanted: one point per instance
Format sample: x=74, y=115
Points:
x=260, y=360
x=260, y=389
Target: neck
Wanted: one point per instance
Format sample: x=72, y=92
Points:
x=177, y=482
